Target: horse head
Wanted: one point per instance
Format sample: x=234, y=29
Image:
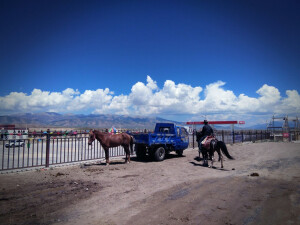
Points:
x=213, y=144
x=92, y=137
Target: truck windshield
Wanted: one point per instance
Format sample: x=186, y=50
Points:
x=184, y=133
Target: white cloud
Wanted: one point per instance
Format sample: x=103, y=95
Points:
x=91, y=100
x=68, y=100
x=147, y=99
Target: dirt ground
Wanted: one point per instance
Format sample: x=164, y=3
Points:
x=261, y=186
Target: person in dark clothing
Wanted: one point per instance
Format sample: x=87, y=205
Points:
x=206, y=131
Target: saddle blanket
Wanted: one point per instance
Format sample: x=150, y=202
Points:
x=206, y=141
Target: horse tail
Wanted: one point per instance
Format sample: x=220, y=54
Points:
x=223, y=147
x=131, y=144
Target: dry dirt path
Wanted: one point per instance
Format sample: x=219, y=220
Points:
x=176, y=191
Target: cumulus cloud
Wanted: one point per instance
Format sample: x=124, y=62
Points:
x=146, y=99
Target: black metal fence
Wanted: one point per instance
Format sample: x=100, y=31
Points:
x=47, y=150
x=231, y=137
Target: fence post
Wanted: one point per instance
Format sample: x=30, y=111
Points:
x=242, y=136
x=193, y=138
x=265, y=136
x=233, y=138
x=47, y=147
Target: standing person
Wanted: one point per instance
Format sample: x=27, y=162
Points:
x=206, y=131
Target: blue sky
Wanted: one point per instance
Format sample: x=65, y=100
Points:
x=224, y=59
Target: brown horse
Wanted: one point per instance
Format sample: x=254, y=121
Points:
x=112, y=140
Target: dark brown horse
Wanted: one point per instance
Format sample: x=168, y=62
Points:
x=208, y=152
x=112, y=140
x=217, y=146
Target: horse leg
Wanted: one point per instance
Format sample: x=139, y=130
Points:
x=205, y=157
x=221, y=161
x=128, y=154
x=220, y=157
x=212, y=160
x=127, y=159
x=199, y=149
x=106, y=156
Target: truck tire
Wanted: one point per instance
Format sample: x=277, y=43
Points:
x=140, y=152
x=179, y=152
x=160, y=154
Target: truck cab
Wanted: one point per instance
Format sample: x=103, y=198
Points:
x=166, y=137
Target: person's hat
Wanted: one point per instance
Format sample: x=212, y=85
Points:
x=205, y=121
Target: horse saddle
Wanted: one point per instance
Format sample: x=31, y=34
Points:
x=206, y=142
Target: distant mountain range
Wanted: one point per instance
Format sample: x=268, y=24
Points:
x=50, y=119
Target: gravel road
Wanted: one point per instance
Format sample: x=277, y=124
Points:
x=261, y=186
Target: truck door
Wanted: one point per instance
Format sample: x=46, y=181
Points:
x=184, y=138
x=178, y=138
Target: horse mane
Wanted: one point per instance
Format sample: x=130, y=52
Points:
x=98, y=131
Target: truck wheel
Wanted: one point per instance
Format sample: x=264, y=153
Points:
x=160, y=154
x=140, y=152
x=179, y=152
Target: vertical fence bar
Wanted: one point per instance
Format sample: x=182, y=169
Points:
x=8, y=156
x=57, y=144
x=81, y=150
x=85, y=148
x=37, y=157
x=42, y=148
x=47, y=148
x=193, y=139
x=23, y=155
x=18, y=157
x=13, y=162
x=32, y=153
x=42, y=153
x=242, y=136
x=94, y=147
x=60, y=152
x=61, y=149
x=56, y=155
x=29, y=152
x=78, y=153
x=3, y=155
x=72, y=149
x=69, y=152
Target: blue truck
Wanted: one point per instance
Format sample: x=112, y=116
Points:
x=166, y=137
